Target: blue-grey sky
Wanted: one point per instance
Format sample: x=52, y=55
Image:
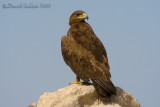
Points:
x=30, y=47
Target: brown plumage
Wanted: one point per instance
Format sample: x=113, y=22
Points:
x=83, y=51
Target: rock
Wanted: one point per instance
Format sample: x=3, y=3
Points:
x=85, y=96
x=33, y=105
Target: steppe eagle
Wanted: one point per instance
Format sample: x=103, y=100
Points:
x=85, y=54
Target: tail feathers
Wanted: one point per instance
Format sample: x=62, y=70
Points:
x=104, y=88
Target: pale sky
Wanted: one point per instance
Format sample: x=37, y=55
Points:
x=30, y=47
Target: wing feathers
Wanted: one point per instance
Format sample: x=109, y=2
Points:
x=104, y=88
x=82, y=62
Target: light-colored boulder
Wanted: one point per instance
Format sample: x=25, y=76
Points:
x=85, y=96
x=33, y=105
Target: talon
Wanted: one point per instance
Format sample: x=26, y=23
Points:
x=76, y=83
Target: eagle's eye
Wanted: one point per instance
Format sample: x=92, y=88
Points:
x=78, y=14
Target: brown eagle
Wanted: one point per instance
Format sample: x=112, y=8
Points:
x=83, y=51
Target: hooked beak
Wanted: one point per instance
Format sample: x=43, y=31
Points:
x=83, y=16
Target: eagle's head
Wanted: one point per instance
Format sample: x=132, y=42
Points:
x=77, y=16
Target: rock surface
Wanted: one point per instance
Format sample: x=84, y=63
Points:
x=85, y=96
x=33, y=105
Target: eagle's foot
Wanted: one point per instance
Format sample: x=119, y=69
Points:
x=76, y=82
